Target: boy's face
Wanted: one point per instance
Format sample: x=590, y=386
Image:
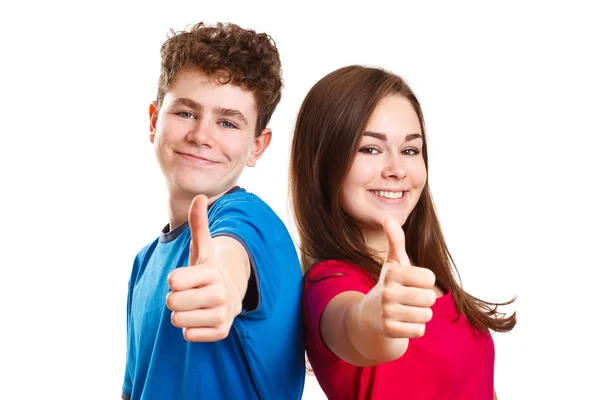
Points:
x=204, y=135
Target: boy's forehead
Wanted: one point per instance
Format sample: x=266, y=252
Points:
x=210, y=92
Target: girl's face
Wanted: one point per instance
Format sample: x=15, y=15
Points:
x=388, y=173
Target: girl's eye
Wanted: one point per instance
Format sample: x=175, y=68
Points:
x=410, y=152
x=369, y=150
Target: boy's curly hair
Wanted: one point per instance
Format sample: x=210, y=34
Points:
x=230, y=54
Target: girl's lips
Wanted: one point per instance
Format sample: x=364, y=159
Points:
x=390, y=197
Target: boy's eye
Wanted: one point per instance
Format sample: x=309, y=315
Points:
x=227, y=124
x=186, y=114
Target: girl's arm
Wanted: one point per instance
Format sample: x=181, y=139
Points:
x=366, y=330
x=348, y=331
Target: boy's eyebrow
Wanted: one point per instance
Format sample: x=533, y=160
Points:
x=229, y=112
x=188, y=102
x=383, y=136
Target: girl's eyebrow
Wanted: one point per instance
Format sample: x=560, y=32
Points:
x=383, y=136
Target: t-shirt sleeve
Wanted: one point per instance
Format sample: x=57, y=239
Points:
x=126, y=388
x=127, y=381
x=129, y=358
x=258, y=229
x=323, y=282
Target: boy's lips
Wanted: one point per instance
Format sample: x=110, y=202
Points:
x=197, y=158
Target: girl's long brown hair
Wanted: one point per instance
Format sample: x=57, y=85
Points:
x=327, y=135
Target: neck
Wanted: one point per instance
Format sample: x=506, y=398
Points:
x=376, y=240
x=179, y=206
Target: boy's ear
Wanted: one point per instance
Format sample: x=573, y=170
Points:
x=153, y=113
x=260, y=144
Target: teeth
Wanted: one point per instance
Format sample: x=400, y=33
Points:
x=388, y=195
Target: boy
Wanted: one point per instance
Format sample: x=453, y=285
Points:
x=214, y=303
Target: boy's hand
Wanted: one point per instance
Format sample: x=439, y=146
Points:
x=202, y=299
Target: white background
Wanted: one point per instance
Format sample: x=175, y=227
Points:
x=510, y=96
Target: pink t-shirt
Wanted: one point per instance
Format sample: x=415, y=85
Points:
x=451, y=361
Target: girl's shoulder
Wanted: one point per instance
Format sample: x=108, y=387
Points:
x=337, y=268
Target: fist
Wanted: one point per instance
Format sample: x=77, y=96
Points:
x=199, y=296
x=406, y=292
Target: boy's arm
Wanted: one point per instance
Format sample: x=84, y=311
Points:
x=235, y=265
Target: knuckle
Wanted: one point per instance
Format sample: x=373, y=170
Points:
x=188, y=335
x=430, y=276
x=221, y=318
x=427, y=314
x=387, y=310
x=391, y=275
x=389, y=328
x=208, y=271
x=176, y=319
x=172, y=280
x=213, y=273
x=237, y=307
x=404, y=274
x=170, y=301
x=219, y=297
x=387, y=278
x=387, y=296
x=431, y=298
x=418, y=331
x=222, y=332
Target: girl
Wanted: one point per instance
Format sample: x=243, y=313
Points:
x=385, y=315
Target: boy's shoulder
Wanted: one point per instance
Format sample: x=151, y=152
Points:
x=146, y=250
x=239, y=194
x=242, y=201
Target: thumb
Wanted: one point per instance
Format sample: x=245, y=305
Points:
x=396, y=241
x=201, y=241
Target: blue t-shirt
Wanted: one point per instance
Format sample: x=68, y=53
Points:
x=263, y=356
